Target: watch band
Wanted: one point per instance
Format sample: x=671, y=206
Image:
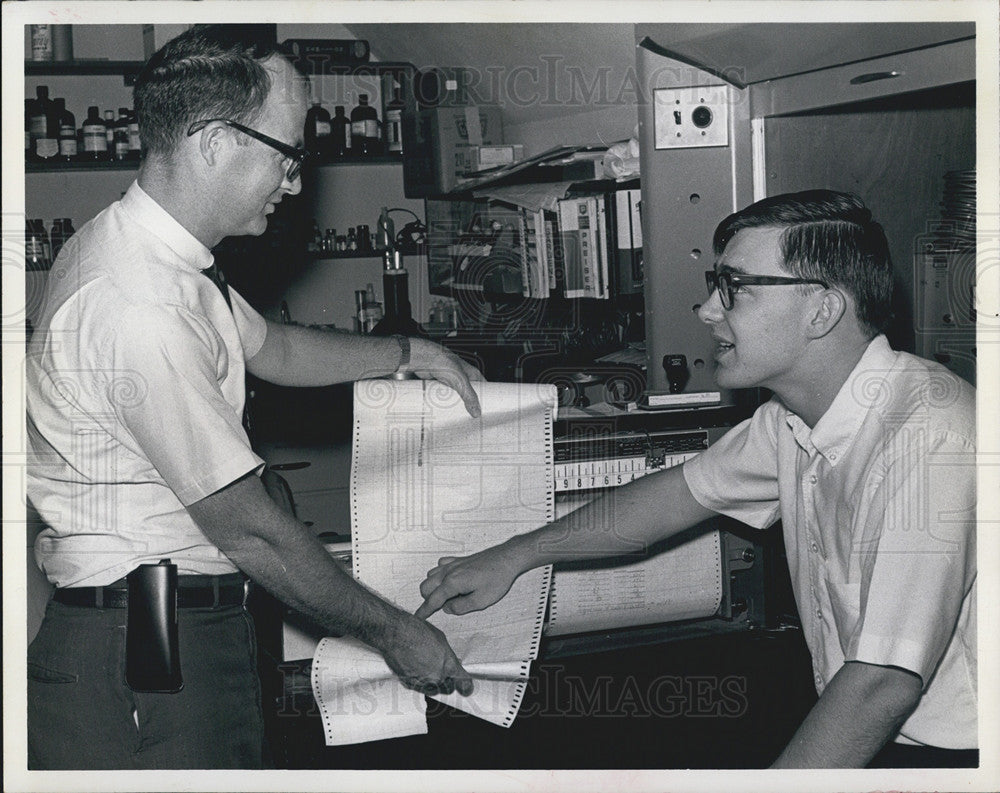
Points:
x=404, y=351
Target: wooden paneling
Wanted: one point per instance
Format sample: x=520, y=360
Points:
x=893, y=154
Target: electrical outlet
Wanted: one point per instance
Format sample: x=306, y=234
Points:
x=686, y=118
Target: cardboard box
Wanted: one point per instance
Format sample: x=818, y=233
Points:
x=437, y=143
x=469, y=159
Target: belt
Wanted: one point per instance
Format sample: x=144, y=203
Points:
x=193, y=592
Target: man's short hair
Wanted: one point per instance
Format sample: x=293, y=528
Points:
x=829, y=236
x=209, y=71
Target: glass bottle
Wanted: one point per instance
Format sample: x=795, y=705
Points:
x=95, y=142
x=41, y=43
x=394, y=123
x=364, y=128
x=67, y=133
x=109, y=133
x=29, y=149
x=317, y=131
x=120, y=134
x=67, y=231
x=373, y=309
x=44, y=126
x=134, y=141
x=315, y=238
x=352, y=239
x=56, y=238
x=36, y=257
x=340, y=133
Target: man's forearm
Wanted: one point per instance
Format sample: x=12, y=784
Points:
x=623, y=522
x=860, y=710
x=286, y=559
x=297, y=356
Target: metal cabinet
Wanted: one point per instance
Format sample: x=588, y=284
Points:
x=883, y=110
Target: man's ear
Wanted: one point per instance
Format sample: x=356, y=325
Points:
x=211, y=141
x=829, y=312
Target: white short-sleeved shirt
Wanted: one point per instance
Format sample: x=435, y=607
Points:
x=135, y=393
x=878, y=509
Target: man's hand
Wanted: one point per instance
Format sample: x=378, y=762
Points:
x=430, y=361
x=472, y=583
x=423, y=660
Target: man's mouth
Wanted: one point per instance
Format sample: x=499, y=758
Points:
x=722, y=347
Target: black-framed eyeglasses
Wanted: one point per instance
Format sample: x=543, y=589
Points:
x=296, y=155
x=727, y=282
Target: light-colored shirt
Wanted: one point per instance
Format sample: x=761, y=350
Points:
x=878, y=508
x=135, y=394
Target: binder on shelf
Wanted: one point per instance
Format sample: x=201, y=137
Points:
x=626, y=252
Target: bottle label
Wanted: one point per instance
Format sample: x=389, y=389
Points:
x=134, y=142
x=348, y=136
x=94, y=138
x=37, y=126
x=358, y=129
x=46, y=147
x=121, y=149
x=322, y=129
x=41, y=43
x=67, y=147
x=371, y=129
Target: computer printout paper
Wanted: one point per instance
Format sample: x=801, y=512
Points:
x=428, y=480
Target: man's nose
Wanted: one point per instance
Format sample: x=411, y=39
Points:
x=292, y=186
x=711, y=310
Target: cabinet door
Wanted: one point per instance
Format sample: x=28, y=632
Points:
x=893, y=153
x=891, y=75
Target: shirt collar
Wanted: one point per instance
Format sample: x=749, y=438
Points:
x=155, y=219
x=864, y=388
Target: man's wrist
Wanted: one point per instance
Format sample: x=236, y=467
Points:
x=522, y=552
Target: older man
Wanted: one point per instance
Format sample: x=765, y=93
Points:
x=135, y=395
x=866, y=455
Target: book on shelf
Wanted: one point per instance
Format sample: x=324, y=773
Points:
x=583, y=236
x=588, y=246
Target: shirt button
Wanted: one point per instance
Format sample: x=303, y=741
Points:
x=833, y=455
x=819, y=614
x=813, y=479
x=819, y=680
x=815, y=548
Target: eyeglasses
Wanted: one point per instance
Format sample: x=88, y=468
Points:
x=727, y=282
x=296, y=155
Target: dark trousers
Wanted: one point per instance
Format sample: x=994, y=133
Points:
x=81, y=715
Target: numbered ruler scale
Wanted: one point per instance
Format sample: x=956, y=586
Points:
x=601, y=461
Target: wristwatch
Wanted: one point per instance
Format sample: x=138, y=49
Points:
x=404, y=351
